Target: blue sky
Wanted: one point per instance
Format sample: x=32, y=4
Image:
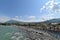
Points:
x=29, y=10
x=21, y=7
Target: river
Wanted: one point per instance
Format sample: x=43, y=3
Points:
x=13, y=33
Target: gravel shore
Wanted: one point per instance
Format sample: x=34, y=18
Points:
x=33, y=34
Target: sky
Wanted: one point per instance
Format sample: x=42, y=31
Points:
x=29, y=10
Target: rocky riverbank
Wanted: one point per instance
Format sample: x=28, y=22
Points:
x=33, y=34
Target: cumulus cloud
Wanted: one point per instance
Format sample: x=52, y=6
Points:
x=32, y=20
x=51, y=5
x=29, y=19
x=47, y=17
x=18, y=18
x=4, y=18
x=32, y=17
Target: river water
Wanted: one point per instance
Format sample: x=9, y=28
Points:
x=12, y=33
x=56, y=33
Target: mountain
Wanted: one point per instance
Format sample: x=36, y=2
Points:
x=12, y=21
x=57, y=20
x=53, y=21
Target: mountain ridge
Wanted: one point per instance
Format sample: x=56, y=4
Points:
x=57, y=20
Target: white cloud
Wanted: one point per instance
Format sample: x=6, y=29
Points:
x=32, y=17
x=32, y=20
x=18, y=18
x=47, y=17
x=29, y=19
x=4, y=18
x=50, y=6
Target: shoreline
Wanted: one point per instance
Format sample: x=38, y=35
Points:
x=35, y=34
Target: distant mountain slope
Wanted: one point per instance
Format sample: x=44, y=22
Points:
x=48, y=21
x=12, y=21
x=53, y=21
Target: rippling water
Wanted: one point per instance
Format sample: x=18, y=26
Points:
x=56, y=33
x=11, y=33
